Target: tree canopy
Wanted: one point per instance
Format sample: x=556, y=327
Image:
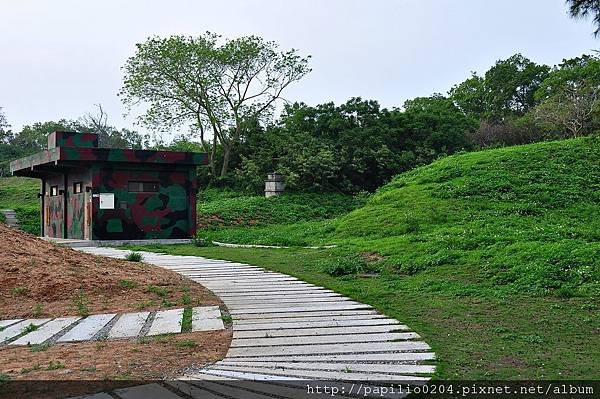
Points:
x=585, y=9
x=214, y=86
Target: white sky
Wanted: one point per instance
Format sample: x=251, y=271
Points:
x=58, y=58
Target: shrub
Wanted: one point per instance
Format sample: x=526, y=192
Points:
x=127, y=284
x=346, y=265
x=134, y=257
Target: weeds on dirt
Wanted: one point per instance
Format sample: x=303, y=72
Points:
x=55, y=365
x=186, y=343
x=227, y=319
x=159, y=291
x=134, y=257
x=80, y=302
x=4, y=377
x=127, y=284
x=144, y=304
x=30, y=328
x=186, y=298
x=27, y=370
x=186, y=321
x=18, y=291
x=38, y=310
x=167, y=303
x=39, y=348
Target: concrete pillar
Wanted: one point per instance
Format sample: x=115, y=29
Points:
x=274, y=185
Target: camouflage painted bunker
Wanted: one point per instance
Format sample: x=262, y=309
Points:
x=96, y=193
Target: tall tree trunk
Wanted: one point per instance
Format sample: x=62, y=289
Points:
x=226, y=157
x=213, y=157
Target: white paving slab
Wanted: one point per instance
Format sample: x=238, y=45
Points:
x=128, y=325
x=286, y=329
x=207, y=318
x=287, y=324
x=309, y=316
x=343, y=366
x=299, y=309
x=46, y=331
x=278, y=304
x=207, y=373
x=310, y=300
x=17, y=329
x=298, y=332
x=324, y=375
x=6, y=323
x=356, y=357
x=328, y=348
x=166, y=322
x=87, y=328
x=322, y=339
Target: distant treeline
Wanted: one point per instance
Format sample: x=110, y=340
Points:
x=358, y=146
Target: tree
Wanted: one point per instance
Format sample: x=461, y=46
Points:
x=436, y=127
x=510, y=86
x=570, y=96
x=212, y=86
x=98, y=123
x=584, y=9
x=108, y=135
x=3, y=122
x=469, y=96
x=33, y=138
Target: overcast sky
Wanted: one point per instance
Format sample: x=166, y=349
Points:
x=58, y=58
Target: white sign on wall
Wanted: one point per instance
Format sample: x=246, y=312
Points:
x=107, y=201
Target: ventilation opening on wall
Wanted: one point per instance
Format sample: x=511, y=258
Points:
x=143, y=187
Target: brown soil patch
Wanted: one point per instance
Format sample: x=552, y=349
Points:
x=38, y=278
x=372, y=257
x=147, y=358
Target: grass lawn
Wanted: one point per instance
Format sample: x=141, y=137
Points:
x=480, y=336
x=493, y=256
x=20, y=194
x=218, y=208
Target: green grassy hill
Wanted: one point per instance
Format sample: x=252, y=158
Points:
x=20, y=194
x=218, y=208
x=521, y=219
x=492, y=257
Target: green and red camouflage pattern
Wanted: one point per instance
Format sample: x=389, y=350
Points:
x=43, y=157
x=71, y=154
x=168, y=213
x=72, y=139
x=132, y=156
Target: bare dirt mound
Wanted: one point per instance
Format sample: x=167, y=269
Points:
x=38, y=278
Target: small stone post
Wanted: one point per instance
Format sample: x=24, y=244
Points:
x=274, y=185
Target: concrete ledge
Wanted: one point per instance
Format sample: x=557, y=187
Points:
x=74, y=243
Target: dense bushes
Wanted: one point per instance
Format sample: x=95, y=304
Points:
x=352, y=147
x=360, y=146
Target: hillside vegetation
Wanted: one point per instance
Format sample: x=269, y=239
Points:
x=20, y=194
x=222, y=207
x=492, y=257
x=521, y=219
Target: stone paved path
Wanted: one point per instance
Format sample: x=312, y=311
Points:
x=286, y=330
x=11, y=218
x=111, y=326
